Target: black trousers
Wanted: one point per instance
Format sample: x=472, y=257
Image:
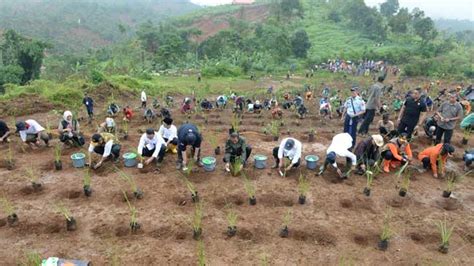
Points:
x=448, y=134
x=248, y=150
x=115, y=152
x=174, y=141
x=193, y=150
x=76, y=139
x=368, y=119
x=277, y=160
x=148, y=153
x=406, y=128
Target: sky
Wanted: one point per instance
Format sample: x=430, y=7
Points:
x=454, y=9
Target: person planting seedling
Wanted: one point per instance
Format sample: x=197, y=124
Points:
x=452, y=179
x=436, y=157
x=71, y=224
x=69, y=132
x=367, y=152
x=197, y=222
x=284, y=232
x=250, y=189
x=104, y=144
x=134, y=225
x=231, y=221
x=137, y=192
x=386, y=232
x=396, y=152
x=303, y=188
x=445, y=233
x=340, y=146
x=57, y=157
x=4, y=132
x=212, y=138
x=188, y=135
x=153, y=146
x=289, y=148
x=30, y=133
x=237, y=153
x=7, y=207
x=87, y=183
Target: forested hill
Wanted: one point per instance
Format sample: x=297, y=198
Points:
x=76, y=26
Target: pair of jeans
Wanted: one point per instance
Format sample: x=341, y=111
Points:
x=448, y=134
x=369, y=118
x=406, y=128
x=350, y=126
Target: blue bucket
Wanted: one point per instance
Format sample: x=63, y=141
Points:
x=130, y=159
x=209, y=163
x=78, y=160
x=311, y=162
x=260, y=161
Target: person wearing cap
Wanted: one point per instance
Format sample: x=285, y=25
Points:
x=108, y=126
x=373, y=104
x=236, y=147
x=449, y=112
x=429, y=157
x=4, y=132
x=104, y=144
x=412, y=113
x=68, y=130
x=340, y=147
x=89, y=103
x=143, y=98
x=354, y=108
x=396, y=152
x=290, y=148
x=368, y=152
x=188, y=135
x=169, y=133
x=153, y=146
x=30, y=131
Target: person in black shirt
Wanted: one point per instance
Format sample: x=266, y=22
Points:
x=188, y=135
x=4, y=132
x=412, y=112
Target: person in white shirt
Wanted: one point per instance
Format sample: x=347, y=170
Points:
x=169, y=133
x=289, y=148
x=108, y=126
x=151, y=145
x=143, y=99
x=106, y=145
x=340, y=145
x=30, y=130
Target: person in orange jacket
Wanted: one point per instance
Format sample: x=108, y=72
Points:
x=396, y=152
x=431, y=155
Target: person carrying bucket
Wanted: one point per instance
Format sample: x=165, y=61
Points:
x=188, y=135
x=291, y=149
x=169, y=133
x=153, y=146
x=104, y=144
x=236, y=147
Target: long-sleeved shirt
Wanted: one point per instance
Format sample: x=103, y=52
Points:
x=32, y=127
x=394, y=148
x=168, y=133
x=367, y=149
x=155, y=143
x=468, y=121
x=109, y=140
x=235, y=149
x=183, y=131
x=354, y=106
x=340, y=145
x=294, y=154
x=143, y=96
x=433, y=153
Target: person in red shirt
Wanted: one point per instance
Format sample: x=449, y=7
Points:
x=396, y=152
x=431, y=155
x=128, y=113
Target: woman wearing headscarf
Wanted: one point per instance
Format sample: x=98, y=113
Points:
x=69, y=130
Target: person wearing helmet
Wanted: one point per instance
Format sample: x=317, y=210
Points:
x=188, y=135
x=108, y=126
x=290, y=148
x=340, y=147
x=104, y=144
x=153, y=146
x=68, y=130
x=236, y=147
x=429, y=157
x=206, y=105
x=30, y=131
x=169, y=133
x=395, y=152
x=368, y=152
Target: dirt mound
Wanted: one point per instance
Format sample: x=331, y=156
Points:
x=26, y=105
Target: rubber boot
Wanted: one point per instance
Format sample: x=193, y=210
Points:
x=386, y=166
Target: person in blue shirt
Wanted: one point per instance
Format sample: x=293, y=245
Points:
x=89, y=103
x=188, y=135
x=354, y=108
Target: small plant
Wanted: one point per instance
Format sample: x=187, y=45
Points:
x=264, y=260
x=57, y=157
x=125, y=129
x=275, y=130
x=201, y=253
x=236, y=120
x=440, y=164
x=33, y=178
x=7, y=207
x=9, y=157
x=191, y=188
x=87, y=183
x=250, y=189
x=386, y=231
x=231, y=221
x=303, y=188
x=405, y=183
x=64, y=211
x=137, y=192
x=452, y=179
x=31, y=258
x=134, y=225
x=284, y=232
x=212, y=138
x=197, y=221
x=445, y=233
x=370, y=179
x=236, y=166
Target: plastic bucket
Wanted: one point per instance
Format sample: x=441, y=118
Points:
x=130, y=159
x=311, y=161
x=78, y=160
x=209, y=163
x=260, y=161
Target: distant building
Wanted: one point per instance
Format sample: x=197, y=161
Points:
x=243, y=2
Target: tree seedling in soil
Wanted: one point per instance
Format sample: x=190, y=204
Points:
x=137, y=192
x=201, y=253
x=191, y=188
x=87, y=183
x=405, y=183
x=311, y=135
x=134, y=225
x=370, y=179
x=284, y=232
x=7, y=207
x=33, y=178
x=386, y=232
x=445, y=233
x=9, y=158
x=250, y=189
x=212, y=138
x=125, y=129
x=197, y=221
x=31, y=258
x=58, y=165
x=303, y=188
x=236, y=166
x=64, y=211
x=275, y=130
x=451, y=180
x=231, y=221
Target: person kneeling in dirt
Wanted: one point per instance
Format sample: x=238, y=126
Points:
x=30, y=131
x=188, y=135
x=368, y=153
x=128, y=114
x=302, y=111
x=169, y=133
x=186, y=108
x=386, y=127
x=221, y=102
x=153, y=146
x=289, y=148
x=149, y=115
x=206, y=105
x=236, y=147
x=108, y=126
x=468, y=158
x=340, y=146
x=4, y=132
x=430, y=125
x=325, y=108
x=106, y=145
x=113, y=109
x=68, y=130
x=396, y=152
x=430, y=157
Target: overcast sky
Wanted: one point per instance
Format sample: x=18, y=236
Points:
x=458, y=9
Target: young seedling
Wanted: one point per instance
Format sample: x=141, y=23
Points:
x=405, y=183
x=64, y=211
x=452, y=179
x=58, y=165
x=236, y=166
x=137, y=192
x=197, y=221
x=250, y=189
x=191, y=188
x=87, y=183
x=275, y=130
x=7, y=207
x=201, y=253
x=286, y=222
x=311, y=135
x=445, y=233
x=235, y=122
x=31, y=258
x=440, y=165
x=231, y=221
x=386, y=232
x=303, y=188
x=370, y=179
x=212, y=138
x=9, y=160
x=33, y=178
x=134, y=225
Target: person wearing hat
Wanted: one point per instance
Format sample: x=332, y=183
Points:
x=396, y=152
x=236, y=147
x=104, y=144
x=169, y=133
x=340, y=146
x=290, y=148
x=368, y=152
x=108, y=126
x=429, y=157
x=30, y=131
x=68, y=130
x=373, y=104
x=412, y=113
x=153, y=146
x=188, y=135
x=4, y=132
x=449, y=112
x=354, y=108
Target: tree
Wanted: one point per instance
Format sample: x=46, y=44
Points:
x=425, y=28
x=300, y=44
x=399, y=23
x=389, y=7
x=148, y=35
x=290, y=8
